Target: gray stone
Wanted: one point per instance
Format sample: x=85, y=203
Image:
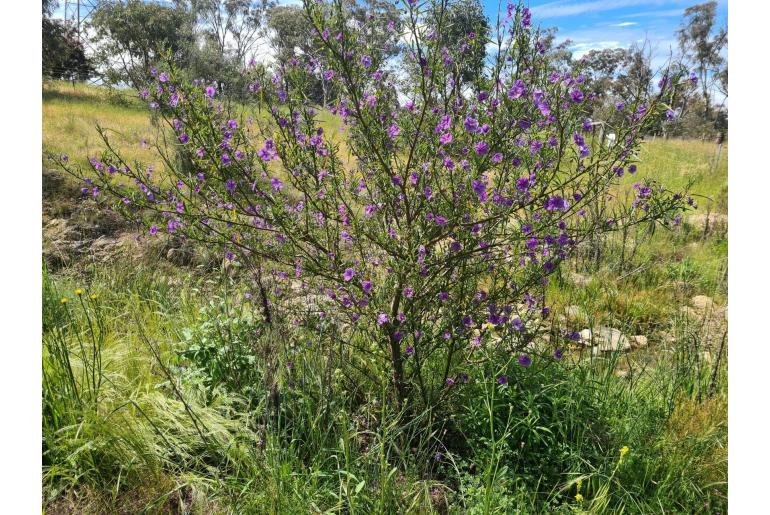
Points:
x=638, y=341
x=605, y=339
x=702, y=303
x=579, y=280
x=714, y=220
x=574, y=312
x=181, y=256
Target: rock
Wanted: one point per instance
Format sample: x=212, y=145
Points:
x=667, y=337
x=579, y=280
x=60, y=243
x=58, y=229
x=605, y=339
x=574, y=312
x=714, y=220
x=181, y=256
x=638, y=341
x=702, y=303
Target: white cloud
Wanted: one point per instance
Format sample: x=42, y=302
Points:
x=626, y=24
x=581, y=49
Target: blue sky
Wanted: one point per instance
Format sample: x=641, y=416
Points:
x=598, y=24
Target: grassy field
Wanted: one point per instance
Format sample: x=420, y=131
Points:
x=153, y=420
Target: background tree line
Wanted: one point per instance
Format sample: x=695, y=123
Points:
x=214, y=40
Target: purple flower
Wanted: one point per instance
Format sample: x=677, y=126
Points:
x=409, y=350
x=583, y=149
x=576, y=95
x=481, y=190
x=445, y=138
x=230, y=185
x=349, y=274
x=471, y=124
x=276, y=184
x=210, y=91
x=393, y=131
x=517, y=324
x=366, y=61
x=382, y=318
x=525, y=360
x=408, y=292
x=558, y=353
x=328, y=74
x=367, y=286
x=526, y=17
x=444, y=125
x=502, y=380
x=154, y=229
x=184, y=138
x=481, y=148
x=556, y=203
x=632, y=169
x=443, y=296
x=518, y=89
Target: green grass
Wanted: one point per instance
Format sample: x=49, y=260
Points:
x=675, y=162
x=70, y=116
x=201, y=408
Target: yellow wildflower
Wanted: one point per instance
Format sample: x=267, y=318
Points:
x=623, y=451
x=578, y=498
x=93, y=296
x=78, y=292
x=64, y=300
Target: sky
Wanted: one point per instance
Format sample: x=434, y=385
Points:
x=600, y=24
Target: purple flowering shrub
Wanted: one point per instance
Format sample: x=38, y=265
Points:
x=432, y=236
